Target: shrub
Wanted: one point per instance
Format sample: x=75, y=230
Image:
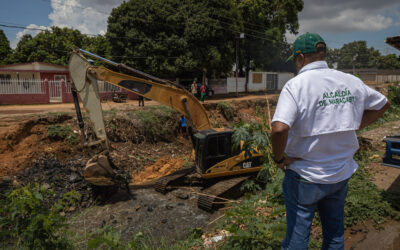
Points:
x=227, y=110
x=29, y=220
x=394, y=94
x=59, y=132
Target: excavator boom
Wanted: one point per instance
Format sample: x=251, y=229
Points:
x=83, y=75
x=98, y=170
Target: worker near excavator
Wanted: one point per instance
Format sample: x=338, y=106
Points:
x=314, y=140
x=203, y=92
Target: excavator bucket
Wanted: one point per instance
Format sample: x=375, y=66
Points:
x=98, y=170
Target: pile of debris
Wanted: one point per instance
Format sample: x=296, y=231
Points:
x=60, y=177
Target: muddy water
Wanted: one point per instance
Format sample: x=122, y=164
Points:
x=156, y=215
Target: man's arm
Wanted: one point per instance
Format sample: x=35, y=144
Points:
x=279, y=135
x=369, y=116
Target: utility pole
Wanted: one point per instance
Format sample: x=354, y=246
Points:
x=240, y=36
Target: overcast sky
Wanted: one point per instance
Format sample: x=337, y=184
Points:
x=338, y=21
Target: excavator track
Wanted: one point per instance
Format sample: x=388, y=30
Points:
x=211, y=195
x=175, y=178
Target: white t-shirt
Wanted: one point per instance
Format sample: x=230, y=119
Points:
x=323, y=108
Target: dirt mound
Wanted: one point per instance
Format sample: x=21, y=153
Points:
x=162, y=167
x=20, y=145
x=59, y=176
x=225, y=114
x=150, y=124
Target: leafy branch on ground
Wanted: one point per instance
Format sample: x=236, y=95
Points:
x=30, y=220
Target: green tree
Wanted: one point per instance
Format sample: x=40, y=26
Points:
x=358, y=54
x=5, y=49
x=55, y=46
x=173, y=38
x=265, y=23
x=390, y=61
x=333, y=57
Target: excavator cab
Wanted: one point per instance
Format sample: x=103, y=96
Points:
x=216, y=157
x=212, y=147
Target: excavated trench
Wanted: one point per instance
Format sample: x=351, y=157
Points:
x=146, y=143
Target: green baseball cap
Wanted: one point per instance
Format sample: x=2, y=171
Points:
x=306, y=43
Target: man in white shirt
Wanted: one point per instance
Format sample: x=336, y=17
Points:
x=314, y=123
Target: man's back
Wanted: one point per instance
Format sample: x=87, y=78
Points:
x=323, y=108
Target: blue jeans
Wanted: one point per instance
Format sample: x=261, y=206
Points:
x=302, y=198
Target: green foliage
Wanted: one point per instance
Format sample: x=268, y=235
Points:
x=394, y=94
x=30, y=220
x=173, y=38
x=358, y=54
x=265, y=24
x=5, y=49
x=110, y=238
x=259, y=221
x=390, y=61
x=154, y=122
x=393, y=114
x=250, y=186
x=365, y=200
x=55, y=46
x=227, y=110
x=61, y=132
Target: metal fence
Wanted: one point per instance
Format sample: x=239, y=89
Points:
x=32, y=86
x=22, y=86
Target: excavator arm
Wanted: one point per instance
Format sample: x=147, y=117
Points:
x=98, y=170
x=84, y=76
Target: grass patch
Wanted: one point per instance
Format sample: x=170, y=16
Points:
x=393, y=114
x=227, y=110
x=110, y=238
x=156, y=122
x=59, y=132
x=150, y=124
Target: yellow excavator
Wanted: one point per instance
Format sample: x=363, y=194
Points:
x=215, y=157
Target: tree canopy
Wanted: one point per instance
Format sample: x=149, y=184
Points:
x=265, y=23
x=174, y=38
x=170, y=37
x=53, y=46
x=358, y=54
x=5, y=49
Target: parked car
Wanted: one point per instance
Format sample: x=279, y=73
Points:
x=188, y=86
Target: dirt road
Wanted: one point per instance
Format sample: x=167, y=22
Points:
x=18, y=110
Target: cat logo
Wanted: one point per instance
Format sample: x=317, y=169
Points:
x=247, y=164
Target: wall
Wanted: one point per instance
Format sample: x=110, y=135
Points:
x=283, y=78
x=231, y=84
x=26, y=98
x=387, y=78
x=257, y=82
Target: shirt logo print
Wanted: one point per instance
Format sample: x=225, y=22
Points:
x=338, y=97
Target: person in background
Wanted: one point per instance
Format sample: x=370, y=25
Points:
x=141, y=101
x=193, y=87
x=183, y=125
x=203, y=92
